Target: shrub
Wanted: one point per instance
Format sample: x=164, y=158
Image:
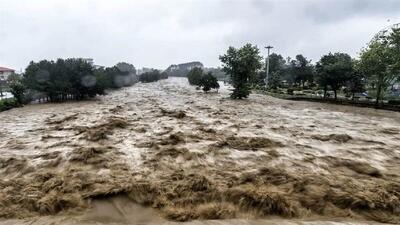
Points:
x=208, y=82
x=151, y=76
x=6, y=104
x=164, y=75
x=18, y=90
x=195, y=75
x=63, y=79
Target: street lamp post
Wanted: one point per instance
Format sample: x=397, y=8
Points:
x=269, y=47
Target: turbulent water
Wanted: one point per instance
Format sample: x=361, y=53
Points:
x=162, y=152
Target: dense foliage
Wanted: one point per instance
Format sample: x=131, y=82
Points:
x=241, y=64
x=63, y=79
x=75, y=78
x=380, y=61
x=6, y=104
x=152, y=76
x=17, y=90
x=302, y=70
x=208, y=82
x=334, y=70
x=356, y=82
x=194, y=76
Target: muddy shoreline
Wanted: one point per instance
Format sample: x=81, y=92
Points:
x=194, y=156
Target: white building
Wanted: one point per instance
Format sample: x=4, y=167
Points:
x=5, y=73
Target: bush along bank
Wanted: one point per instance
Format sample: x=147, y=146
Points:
x=8, y=103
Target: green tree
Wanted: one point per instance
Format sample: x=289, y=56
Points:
x=208, y=82
x=126, y=68
x=274, y=81
x=127, y=72
x=276, y=63
x=194, y=76
x=241, y=64
x=17, y=89
x=334, y=70
x=164, y=75
x=151, y=76
x=276, y=70
x=380, y=61
x=302, y=70
x=37, y=76
x=357, y=80
x=62, y=80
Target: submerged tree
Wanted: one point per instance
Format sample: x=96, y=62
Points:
x=241, y=64
x=127, y=73
x=194, y=76
x=208, y=82
x=151, y=76
x=63, y=79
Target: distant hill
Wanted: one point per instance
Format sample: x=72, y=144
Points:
x=181, y=70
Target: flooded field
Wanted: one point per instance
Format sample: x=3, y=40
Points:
x=163, y=152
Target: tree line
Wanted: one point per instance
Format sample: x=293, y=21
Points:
x=152, y=76
x=376, y=69
x=69, y=79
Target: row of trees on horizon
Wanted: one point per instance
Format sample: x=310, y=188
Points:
x=71, y=79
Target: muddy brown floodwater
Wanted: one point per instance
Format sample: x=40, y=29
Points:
x=162, y=152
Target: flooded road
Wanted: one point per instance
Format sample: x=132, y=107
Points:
x=161, y=152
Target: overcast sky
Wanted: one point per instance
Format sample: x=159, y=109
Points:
x=157, y=33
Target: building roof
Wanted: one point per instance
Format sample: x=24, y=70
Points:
x=4, y=69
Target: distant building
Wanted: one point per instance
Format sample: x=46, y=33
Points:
x=5, y=73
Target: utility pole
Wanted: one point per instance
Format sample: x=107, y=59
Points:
x=269, y=47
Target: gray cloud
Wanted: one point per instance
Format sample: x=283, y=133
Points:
x=338, y=10
x=157, y=33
